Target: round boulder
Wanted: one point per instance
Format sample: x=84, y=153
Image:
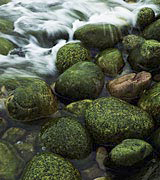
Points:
x=111, y=120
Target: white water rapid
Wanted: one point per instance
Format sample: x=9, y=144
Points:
x=53, y=17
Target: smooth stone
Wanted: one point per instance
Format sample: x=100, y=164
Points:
x=101, y=155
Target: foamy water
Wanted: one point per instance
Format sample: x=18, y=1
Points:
x=52, y=17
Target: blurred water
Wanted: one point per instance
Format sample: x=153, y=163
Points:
x=53, y=19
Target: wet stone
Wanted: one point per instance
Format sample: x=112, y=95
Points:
x=3, y=125
x=110, y=61
x=11, y=163
x=101, y=155
x=129, y=86
x=130, y=152
x=14, y=134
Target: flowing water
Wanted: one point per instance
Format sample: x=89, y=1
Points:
x=37, y=22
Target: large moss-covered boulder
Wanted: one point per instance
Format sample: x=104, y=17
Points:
x=113, y=120
x=6, y=26
x=110, y=61
x=67, y=137
x=130, y=152
x=11, y=164
x=152, y=31
x=5, y=46
x=84, y=80
x=31, y=100
x=150, y=101
x=99, y=36
x=4, y=2
x=48, y=166
x=145, y=17
x=146, y=57
x=70, y=54
x=132, y=41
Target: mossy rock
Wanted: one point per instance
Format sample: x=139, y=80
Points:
x=5, y=46
x=132, y=41
x=152, y=31
x=32, y=100
x=70, y=54
x=111, y=120
x=146, y=57
x=6, y=26
x=145, y=17
x=4, y=2
x=78, y=108
x=67, y=137
x=130, y=152
x=99, y=36
x=48, y=166
x=11, y=163
x=150, y=102
x=110, y=61
x=84, y=80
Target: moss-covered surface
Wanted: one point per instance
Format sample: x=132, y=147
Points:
x=84, y=80
x=152, y=31
x=130, y=152
x=145, y=17
x=70, y=54
x=113, y=120
x=79, y=107
x=67, y=137
x=11, y=164
x=5, y=46
x=146, y=57
x=150, y=101
x=110, y=61
x=6, y=26
x=4, y=2
x=132, y=41
x=100, y=36
x=48, y=166
x=31, y=100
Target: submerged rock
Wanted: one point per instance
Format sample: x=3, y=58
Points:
x=111, y=120
x=31, y=100
x=6, y=26
x=50, y=166
x=11, y=164
x=84, y=80
x=150, y=102
x=110, y=61
x=129, y=86
x=132, y=41
x=145, y=17
x=70, y=54
x=146, y=57
x=130, y=152
x=5, y=46
x=152, y=31
x=99, y=36
x=67, y=137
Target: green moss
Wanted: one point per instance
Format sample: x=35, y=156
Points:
x=32, y=100
x=48, y=166
x=67, y=137
x=152, y=31
x=70, y=54
x=110, y=61
x=112, y=120
x=6, y=26
x=11, y=164
x=130, y=152
x=100, y=36
x=84, y=80
x=150, y=101
x=5, y=46
x=145, y=17
x=146, y=57
x=4, y=2
x=132, y=41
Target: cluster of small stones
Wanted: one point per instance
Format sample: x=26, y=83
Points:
x=123, y=128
